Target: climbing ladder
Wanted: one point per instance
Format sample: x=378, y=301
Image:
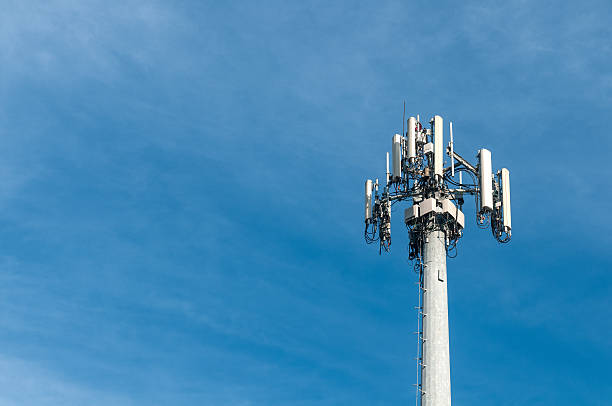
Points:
x=420, y=339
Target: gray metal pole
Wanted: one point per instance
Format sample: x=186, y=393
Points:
x=436, y=371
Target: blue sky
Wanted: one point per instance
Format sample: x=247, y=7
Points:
x=181, y=201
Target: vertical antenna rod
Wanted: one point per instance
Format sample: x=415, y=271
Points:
x=452, y=152
x=387, y=168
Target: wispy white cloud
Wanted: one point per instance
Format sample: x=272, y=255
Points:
x=557, y=40
x=66, y=39
x=26, y=383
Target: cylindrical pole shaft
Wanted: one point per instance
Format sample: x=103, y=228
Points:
x=436, y=370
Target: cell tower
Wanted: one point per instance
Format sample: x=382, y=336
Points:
x=435, y=222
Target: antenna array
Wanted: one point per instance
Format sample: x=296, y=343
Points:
x=417, y=175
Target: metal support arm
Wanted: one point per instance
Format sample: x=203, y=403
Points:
x=462, y=161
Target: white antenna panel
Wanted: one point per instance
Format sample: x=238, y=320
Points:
x=486, y=180
x=396, y=152
x=438, y=146
x=505, y=181
x=368, y=200
x=411, y=138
